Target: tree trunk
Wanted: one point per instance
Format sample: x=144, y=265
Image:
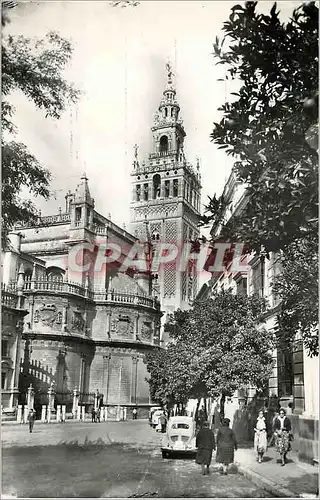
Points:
x=205, y=408
x=222, y=402
x=197, y=410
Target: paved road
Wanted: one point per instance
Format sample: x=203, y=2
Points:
x=105, y=460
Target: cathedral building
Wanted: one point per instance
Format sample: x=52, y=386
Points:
x=166, y=195
x=85, y=333
x=87, y=329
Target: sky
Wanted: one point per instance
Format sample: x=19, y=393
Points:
x=119, y=65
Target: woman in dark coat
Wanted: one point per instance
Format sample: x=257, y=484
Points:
x=226, y=444
x=205, y=443
x=282, y=433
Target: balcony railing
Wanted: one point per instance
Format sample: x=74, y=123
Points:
x=47, y=220
x=55, y=286
x=160, y=154
x=112, y=297
x=126, y=298
x=54, y=219
x=9, y=298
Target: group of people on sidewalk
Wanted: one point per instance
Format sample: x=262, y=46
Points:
x=282, y=436
x=226, y=441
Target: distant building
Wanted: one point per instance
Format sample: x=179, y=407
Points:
x=166, y=195
x=84, y=331
x=295, y=377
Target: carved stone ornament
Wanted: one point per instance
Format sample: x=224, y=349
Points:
x=78, y=322
x=146, y=330
x=122, y=326
x=47, y=314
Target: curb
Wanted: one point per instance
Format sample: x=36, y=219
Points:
x=266, y=484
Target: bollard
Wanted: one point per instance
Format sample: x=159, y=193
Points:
x=63, y=413
x=30, y=397
x=25, y=414
x=83, y=410
x=58, y=416
x=43, y=413
x=75, y=403
x=19, y=415
x=78, y=413
x=49, y=415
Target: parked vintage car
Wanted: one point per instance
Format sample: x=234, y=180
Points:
x=180, y=437
x=151, y=412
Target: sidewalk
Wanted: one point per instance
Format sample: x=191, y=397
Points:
x=294, y=480
x=68, y=421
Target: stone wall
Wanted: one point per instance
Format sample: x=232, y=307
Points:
x=308, y=439
x=46, y=361
x=119, y=374
x=11, y=331
x=56, y=313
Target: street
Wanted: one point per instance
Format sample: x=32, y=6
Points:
x=111, y=459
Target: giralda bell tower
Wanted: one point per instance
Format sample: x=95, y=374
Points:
x=166, y=195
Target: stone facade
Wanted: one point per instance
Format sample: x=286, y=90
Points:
x=13, y=313
x=84, y=330
x=166, y=195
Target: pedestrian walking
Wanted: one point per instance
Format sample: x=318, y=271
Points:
x=283, y=435
x=202, y=417
x=134, y=414
x=226, y=444
x=93, y=415
x=163, y=422
x=205, y=443
x=260, y=436
x=98, y=413
x=31, y=419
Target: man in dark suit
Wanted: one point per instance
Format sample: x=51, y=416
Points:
x=31, y=419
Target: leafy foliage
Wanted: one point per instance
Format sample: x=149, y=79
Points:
x=35, y=67
x=268, y=127
x=297, y=285
x=216, y=348
x=20, y=168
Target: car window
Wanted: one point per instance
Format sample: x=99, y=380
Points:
x=180, y=426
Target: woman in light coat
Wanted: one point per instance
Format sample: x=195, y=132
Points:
x=260, y=436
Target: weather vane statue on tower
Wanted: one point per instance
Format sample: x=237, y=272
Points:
x=170, y=73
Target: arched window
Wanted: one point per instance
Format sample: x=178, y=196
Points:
x=156, y=186
x=55, y=274
x=172, y=110
x=167, y=189
x=175, y=190
x=28, y=275
x=164, y=144
x=146, y=192
x=165, y=112
x=138, y=192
